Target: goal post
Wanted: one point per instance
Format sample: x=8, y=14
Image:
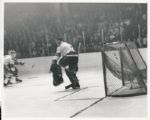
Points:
x=124, y=70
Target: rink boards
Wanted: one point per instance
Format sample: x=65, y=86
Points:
x=86, y=61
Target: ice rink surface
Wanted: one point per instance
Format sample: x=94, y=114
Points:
x=37, y=97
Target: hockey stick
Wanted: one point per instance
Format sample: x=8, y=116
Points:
x=29, y=65
x=79, y=46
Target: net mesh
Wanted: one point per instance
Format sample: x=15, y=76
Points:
x=126, y=71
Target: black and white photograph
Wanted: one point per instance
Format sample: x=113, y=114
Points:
x=74, y=60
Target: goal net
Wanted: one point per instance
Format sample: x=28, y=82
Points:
x=125, y=71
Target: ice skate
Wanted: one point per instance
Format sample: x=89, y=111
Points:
x=18, y=80
x=8, y=83
x=76, y=86
x=68, y=86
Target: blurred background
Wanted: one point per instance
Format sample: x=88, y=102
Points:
x=30, y=28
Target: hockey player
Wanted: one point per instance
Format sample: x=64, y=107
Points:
x=10, y=69
x=57, y=73
x=68, y=58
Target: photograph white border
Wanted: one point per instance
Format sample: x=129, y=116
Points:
x=78, y=1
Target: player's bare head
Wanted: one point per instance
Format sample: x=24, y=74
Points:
x=54, y=61
x=12, y=53
x=58, y=40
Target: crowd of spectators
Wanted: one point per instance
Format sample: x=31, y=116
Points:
x=30, y=29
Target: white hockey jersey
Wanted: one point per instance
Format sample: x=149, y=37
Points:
x=8, y=60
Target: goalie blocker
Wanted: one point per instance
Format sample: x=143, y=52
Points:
x=57, y=73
